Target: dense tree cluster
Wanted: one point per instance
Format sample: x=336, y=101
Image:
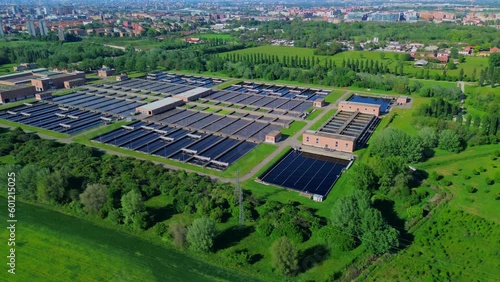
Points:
x=82, y=55
x=312, y=34
x=292, y=220
x=355, y=216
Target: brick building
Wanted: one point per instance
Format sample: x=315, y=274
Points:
x=54, y=80
x=16, y=93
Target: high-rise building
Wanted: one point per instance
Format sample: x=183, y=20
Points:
x=1, y=28
x=43, y=27
x=60, y=34
x=14, y=9
x=30, y=26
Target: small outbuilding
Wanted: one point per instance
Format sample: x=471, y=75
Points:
x=421, y=63
x=273, y=136
x=318, y=103
x=68, y=84
x=105, y=72
x=318, y=198
x=402, y=100
x=43, y=96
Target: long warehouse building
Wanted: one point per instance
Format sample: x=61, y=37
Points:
x=159, y=106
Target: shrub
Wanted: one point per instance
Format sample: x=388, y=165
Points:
x=471, y=189
x=489, y=181
x=435, y=176
x=446, y=182
x=476, y=172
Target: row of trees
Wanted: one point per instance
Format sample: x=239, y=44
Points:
x=313, y=34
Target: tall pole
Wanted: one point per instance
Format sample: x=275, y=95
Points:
x=240, y=200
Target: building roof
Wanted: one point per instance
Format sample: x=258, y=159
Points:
x=160, y=104
x=193, y=92
x=274, y=133
x=14, y=87
x=359, y=104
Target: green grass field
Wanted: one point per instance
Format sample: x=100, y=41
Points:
x=29, y=128
x=212, y=36
x=334, y=96
x=314, y=114
x=389, y=59
x=460, y=241
x=6, y=69
x=51, y=245
x=295, y=127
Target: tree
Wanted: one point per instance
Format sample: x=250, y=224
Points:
x=361, y=176
x=394, y=142
x=94, y=197
x=178, y=232
x=285, y=256
x=133, y=209
x=428, y=137
x=450, y=141
x=347, y=212
x=51, y=187
x=461, y=75
x=201, y=234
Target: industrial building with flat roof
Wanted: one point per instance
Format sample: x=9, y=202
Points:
x=193, y=94
x=159, y=106
x=348, y=130
x=54, y=80
x=21, y=77
x=16, y=93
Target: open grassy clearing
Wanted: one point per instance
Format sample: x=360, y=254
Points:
x=212, y=36
x=295, y=127
x=334, y=96
x=16, y=104
x=29, y=128
x=322, y=120
x=460, y=241
x=6, y=68
x=82, y=251
x=389, y=59
x=453, y=245
x=314, y=114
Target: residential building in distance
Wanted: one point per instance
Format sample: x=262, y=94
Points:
x=43, y=27
x=30, y=26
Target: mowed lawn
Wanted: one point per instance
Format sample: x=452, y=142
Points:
x=54, y=246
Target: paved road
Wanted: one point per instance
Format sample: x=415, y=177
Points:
x=290, y=141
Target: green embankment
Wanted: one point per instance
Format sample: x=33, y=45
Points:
x=63, y=248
